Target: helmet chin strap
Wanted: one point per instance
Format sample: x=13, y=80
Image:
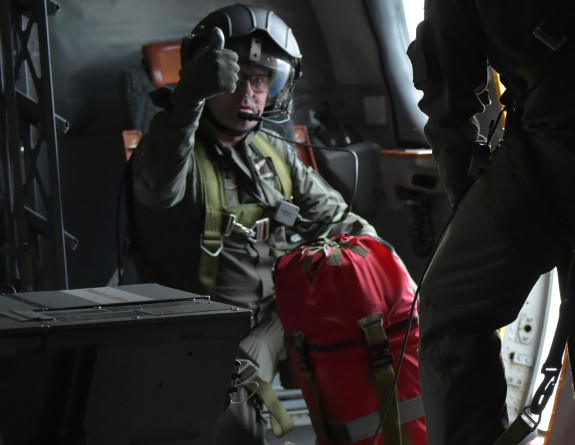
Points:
x=227, y=130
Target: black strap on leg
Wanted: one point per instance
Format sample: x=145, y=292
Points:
x=525, y=423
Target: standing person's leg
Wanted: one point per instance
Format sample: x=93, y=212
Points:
x=476, y=284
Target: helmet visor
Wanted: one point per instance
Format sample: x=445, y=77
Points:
x=279, y=71
x=253, y=51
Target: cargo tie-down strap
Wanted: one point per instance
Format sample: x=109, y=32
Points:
x=525, y=423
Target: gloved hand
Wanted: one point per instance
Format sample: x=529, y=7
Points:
x=214, y=71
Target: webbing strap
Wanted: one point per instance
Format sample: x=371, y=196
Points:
x=320, y=421
x=281, y=421
x=384, y=375
x=521, y=427
x=394, y=428
x=265, y=149
x=331, y=250
x=211, y=241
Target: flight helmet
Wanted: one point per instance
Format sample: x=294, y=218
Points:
x=261, y=38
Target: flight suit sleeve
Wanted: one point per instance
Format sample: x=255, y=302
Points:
x=450, y=68
x=321, y=206
x=162, y=159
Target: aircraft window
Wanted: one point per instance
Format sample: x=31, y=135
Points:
x=413, y=15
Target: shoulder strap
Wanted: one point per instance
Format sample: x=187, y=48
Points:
x=265, y=149
x=211, y=241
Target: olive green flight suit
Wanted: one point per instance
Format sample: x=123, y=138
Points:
x=169, y=219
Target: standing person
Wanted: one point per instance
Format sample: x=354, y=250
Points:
x=510, y=225
x=217, y=196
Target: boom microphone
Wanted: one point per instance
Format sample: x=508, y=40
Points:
x=249, y=116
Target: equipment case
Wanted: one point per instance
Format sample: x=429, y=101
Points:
x=138, y=364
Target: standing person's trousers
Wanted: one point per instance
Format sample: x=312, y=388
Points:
x=490, y=257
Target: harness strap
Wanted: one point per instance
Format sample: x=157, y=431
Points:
x=283, y=179
x=217, y=223
x=211, y=241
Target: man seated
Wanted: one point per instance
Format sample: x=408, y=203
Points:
x=217, y=197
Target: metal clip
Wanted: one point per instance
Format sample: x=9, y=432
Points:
x=235, y=227
x=243, y=230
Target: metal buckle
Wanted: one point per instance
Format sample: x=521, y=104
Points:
x=550, y=37
x=261, y=231
x=528, y=420
x=231, y=223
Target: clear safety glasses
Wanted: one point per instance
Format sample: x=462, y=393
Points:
x=260, y=83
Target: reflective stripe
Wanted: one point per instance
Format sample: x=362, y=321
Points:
x=411, y=409
x=365, y=426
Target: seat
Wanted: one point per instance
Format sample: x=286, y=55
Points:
x=163, y=63
x=160, y=67
x=303, y=149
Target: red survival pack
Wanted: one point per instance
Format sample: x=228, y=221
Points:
x=345, y=304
